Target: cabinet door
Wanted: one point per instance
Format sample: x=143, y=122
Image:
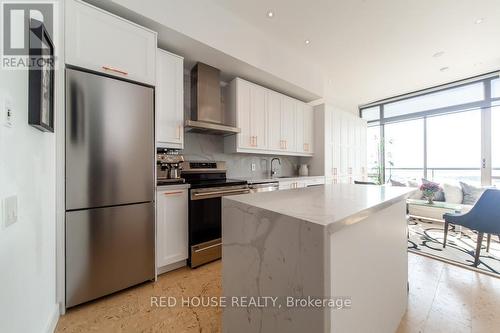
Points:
x=169, y=100
x=300, y=140
x=288, y=114
x=258, y=117
x=274, y=121
x=243, y=106
x=103, y=42
x=172, y=227
x=308, y=126
x=336, y=144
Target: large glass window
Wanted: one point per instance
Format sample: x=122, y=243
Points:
x=495, y=144
x=404, y=150
x=442, y=135
x=454, y=147
x=495, y=88
x=373, y=147
x=460, y=95
x=370, y=114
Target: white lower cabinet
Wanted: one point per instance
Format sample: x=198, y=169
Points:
x=171, y=227
x=301, y=182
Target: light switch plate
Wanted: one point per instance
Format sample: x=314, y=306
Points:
x=10, y=210
x=253, y=166
x=8, y=113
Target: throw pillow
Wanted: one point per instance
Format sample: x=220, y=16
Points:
x=471, y=193
x=417, y=194
x=396, y=183
x=453, y=193
x=439, y=196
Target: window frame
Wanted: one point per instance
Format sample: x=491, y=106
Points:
x=484, y=105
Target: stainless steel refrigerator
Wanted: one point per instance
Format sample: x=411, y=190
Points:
x=110, y=214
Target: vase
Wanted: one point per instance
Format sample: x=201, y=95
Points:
x=430, y=199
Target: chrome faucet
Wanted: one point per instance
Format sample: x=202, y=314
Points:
x=273, y=170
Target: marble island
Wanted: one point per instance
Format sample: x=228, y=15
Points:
x=340, y=246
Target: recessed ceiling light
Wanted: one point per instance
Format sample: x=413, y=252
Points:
x=444, y=69
x=438, y=54
x=479, y=20
x=307, y=41
x=270, y=14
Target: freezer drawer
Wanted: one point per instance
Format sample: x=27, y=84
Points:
x=109, y=141
x=108, y=249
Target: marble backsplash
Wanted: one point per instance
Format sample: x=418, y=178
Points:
x=211, y=147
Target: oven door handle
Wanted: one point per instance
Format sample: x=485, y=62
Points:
x=208, y=247
x=221, y=193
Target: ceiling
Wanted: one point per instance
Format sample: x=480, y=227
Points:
x=374, y=49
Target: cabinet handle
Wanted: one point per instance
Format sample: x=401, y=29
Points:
x=116, y=70
x=179, y=132
x=256, y=141
x=334, y=171
x=286, y=144
x=251, y=141
x=172, y=193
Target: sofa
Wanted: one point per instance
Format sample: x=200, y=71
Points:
x=463, y=195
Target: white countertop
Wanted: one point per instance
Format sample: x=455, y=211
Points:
x=251, y=180
x=330, y=205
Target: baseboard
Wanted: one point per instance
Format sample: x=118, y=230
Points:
x=171, y=267
x=53, y=319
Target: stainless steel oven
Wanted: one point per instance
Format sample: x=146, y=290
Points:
x=208, y=185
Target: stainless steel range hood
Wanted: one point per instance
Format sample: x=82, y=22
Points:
x=207, y=115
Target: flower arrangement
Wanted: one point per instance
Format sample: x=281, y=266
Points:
x=429, y=189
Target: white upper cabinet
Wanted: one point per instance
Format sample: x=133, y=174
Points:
x=169, y=100
x=268, y=121
x=289, y=131
x=258, y=117
x=103, y=42
x=274, y=101
x=251, y=114
x=305, y=128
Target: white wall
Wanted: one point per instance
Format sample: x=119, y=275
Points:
x=27, y=248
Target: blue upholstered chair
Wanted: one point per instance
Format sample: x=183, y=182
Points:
x=484, y=218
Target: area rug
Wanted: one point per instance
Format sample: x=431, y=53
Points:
x=427, y=238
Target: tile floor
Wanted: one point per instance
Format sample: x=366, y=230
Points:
x=443, y=298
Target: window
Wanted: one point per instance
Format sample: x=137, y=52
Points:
x=495, y=144
x=495, y=88
x=371, y=114
x=460, y=95
x=442, y=135
x=373, y=153
x=454, y=147
x=404, y=150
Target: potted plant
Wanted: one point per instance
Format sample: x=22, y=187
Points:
x=429, y=190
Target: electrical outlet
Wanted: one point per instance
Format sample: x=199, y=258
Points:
x=10, y=210
x=253, y=166
x=8, y=114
